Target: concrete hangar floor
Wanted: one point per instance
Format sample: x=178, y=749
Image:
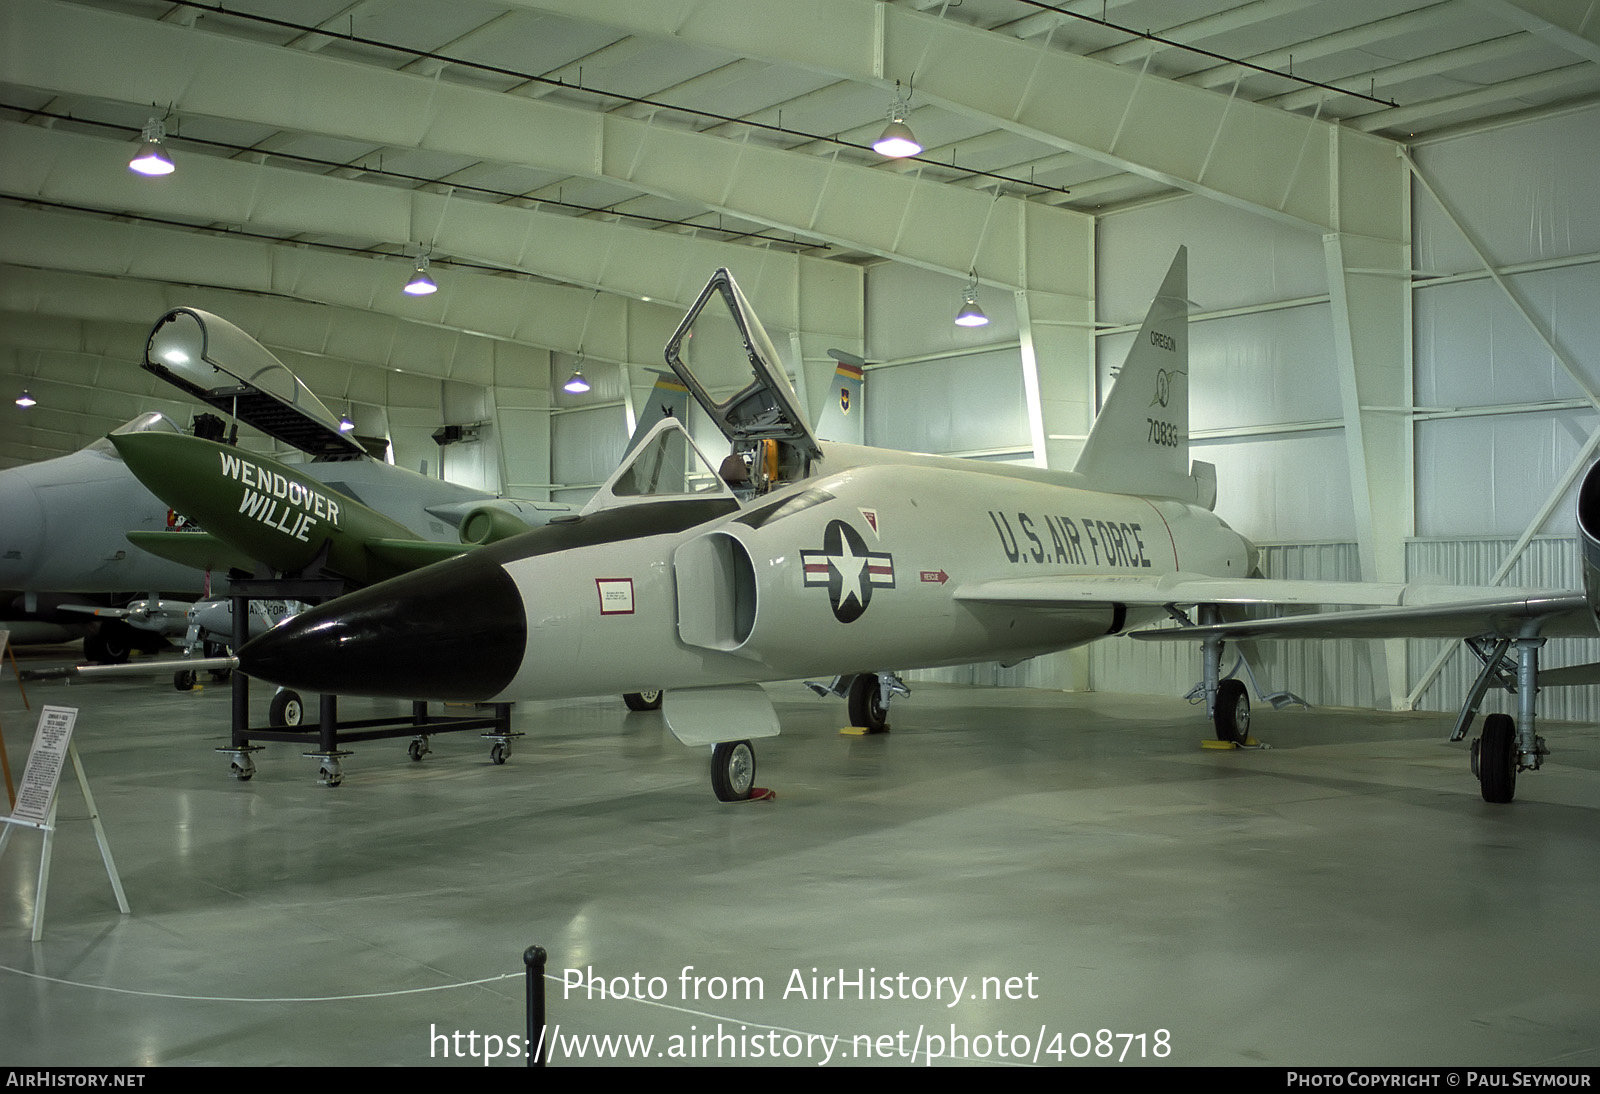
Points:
x=1343, y=898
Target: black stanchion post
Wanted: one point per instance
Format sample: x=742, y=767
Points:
x=533, y=958
x=239, y=683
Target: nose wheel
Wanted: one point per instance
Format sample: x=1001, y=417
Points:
x=733, y=770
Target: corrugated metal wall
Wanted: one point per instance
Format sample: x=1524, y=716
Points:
x=1500, y=417
x=1548, y=562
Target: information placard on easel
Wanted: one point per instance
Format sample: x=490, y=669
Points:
x=45, y=763
x=36, y=803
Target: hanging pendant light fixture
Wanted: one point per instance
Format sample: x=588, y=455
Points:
x=577, y=384
x=151, y=159
x=421, y=284
x=898, y=141
x=25, y=400
x=970, y=314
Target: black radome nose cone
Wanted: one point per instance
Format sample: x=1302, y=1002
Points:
x=455, y=630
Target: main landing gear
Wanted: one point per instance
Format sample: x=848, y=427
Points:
x=110, y=644
x=1507, y=746
x=1494, y=759
x=867, y=696
x=1227, y=698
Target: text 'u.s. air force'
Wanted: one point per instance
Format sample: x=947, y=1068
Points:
x=1056, y=539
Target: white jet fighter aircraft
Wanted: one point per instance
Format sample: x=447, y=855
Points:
x=803, y=558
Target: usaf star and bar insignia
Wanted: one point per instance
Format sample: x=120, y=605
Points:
x=847, y=569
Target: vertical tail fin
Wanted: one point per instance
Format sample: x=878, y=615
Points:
x=668, y=399
x=843, y=414
x=1139, y=444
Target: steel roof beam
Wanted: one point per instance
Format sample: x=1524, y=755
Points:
x=883, y=213
x=1270, y=162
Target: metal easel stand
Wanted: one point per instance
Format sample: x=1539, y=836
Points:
x=5, y=763
x=49, y=830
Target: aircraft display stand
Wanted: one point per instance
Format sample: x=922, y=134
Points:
x=326, y=737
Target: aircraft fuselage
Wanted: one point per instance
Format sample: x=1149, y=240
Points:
x=837, y=573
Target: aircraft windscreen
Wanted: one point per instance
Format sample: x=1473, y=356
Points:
x=659, y=467
x=665, y=465
x=151, y=421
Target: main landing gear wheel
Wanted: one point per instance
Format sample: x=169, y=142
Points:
x=643, y=700
x=1496, y=759
x=287, y=710
x=866, y=704
x=733, y=770
x=108, y=647
x=1232, y=715
x=118, y=642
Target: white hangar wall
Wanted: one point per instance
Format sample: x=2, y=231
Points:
x=1264, y=407
x=932, y=386
x=1504, y=416
x=588, y=432
x=1505, y=378
x=1500, y=427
